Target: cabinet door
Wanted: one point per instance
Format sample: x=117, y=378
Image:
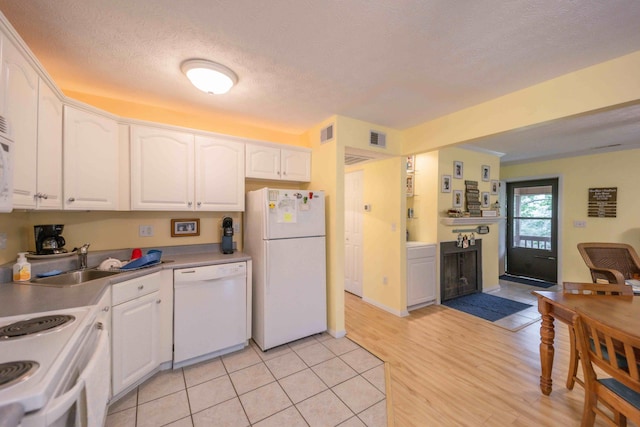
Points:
x=90, y=166
x=219, y=174
x=262, y=162
x=421, y=280
x=20, y=101
x=49, y=174
x=162, y=169
x=296, y=165
x=136, y=340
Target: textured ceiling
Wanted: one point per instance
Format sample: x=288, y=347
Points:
x=396, y=63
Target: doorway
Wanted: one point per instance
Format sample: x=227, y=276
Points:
x=532, y=229
x=353, y=232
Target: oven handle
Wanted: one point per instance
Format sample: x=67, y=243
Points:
x=62, y=403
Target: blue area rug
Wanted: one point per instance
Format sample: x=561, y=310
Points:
x=527, y=281
x=488, y=307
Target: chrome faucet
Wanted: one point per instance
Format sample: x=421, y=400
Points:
x=82, y=255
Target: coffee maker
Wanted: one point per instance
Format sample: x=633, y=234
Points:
x=48, y=239
x=227, y=235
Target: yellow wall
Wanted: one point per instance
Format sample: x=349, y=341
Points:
x=193, y=120
x=111, y=230
x=328, y=174
x=424, y=226
x=577, y=175
x=383, y=249
x=600, y=86
x=472, y=162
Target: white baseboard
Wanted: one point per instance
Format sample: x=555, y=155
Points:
x=393, y=311
x=337, y=334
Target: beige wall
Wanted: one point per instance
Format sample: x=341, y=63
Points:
x=577, y=175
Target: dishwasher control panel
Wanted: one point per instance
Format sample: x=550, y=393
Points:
x=210, y=272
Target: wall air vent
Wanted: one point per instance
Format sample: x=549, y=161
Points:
x=4, y=127
x=354, y=156
x=378, y=139
x=326, y=134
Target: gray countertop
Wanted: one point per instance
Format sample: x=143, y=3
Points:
x=25, y=298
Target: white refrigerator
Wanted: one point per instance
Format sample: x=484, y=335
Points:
x=285, y=236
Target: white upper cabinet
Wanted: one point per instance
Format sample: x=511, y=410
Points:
x=49, y=173
x=219, y=174
x=20, y=107
x=266, y=162
x=295, y=165
x=90, y=165
x=173, y=170
x=162, y=169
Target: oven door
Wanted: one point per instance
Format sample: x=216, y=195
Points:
x=82, y=398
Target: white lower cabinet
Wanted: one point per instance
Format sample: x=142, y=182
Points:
x=421, y=275
x=136, y=343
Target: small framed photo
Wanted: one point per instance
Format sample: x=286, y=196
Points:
x=485, y=199
x=185, y=227
x=409, y=185
x=494, y=186
x=457, y=198
x=457, y=169
x=486, y=173
x=446, y=184
x=411, y=161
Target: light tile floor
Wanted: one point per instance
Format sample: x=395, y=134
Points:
x=316, y=381
x=521, y=293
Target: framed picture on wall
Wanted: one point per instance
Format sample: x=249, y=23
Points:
x=457, y=169
x=494, y=186
x=485, y=199
x=409, y=185
x=486, y=173
x=185, y=227
x=457, y=198
x=411, y=161
x=446, y=184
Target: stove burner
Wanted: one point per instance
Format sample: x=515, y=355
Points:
x=33, y=326
x=12, y=372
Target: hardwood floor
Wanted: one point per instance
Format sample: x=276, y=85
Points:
x=448, y=368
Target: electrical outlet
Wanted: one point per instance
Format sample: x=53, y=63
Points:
x=384, y=280
x=3, y=240
x=236, y=227
x=145, y=230
x=579, y=224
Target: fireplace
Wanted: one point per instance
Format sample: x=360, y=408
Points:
x=460, y=270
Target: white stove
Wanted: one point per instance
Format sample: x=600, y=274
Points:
x=46, y=356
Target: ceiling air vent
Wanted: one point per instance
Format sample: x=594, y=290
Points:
x=378, y=139
x=326, y=134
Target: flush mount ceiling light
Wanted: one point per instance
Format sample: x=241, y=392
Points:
x=208, y=76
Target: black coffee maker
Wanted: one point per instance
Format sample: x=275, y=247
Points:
x=227, y=235
x=48, y=239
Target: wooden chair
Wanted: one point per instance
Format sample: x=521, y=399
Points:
x=610, y=262
x=621, y=392
x=587, y=289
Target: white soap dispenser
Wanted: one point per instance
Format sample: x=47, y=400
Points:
x=22, y=268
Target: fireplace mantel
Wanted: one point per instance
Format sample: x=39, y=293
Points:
x=472, y=220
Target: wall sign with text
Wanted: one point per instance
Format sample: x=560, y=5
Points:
x=603, y=202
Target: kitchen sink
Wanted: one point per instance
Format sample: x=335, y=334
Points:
x=73, y=278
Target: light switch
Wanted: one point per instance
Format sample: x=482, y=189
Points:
x=579, y=224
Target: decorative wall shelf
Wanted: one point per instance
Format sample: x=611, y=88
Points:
x=472, y=220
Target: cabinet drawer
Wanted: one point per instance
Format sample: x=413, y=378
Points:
x=131, y=289
x=421, y=251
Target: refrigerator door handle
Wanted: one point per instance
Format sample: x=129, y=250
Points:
x=266, y=272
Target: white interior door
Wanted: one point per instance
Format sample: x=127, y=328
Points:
x=353, y=233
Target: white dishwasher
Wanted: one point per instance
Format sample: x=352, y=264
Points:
x=210, y=312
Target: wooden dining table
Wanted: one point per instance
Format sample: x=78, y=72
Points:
x=621, y=312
